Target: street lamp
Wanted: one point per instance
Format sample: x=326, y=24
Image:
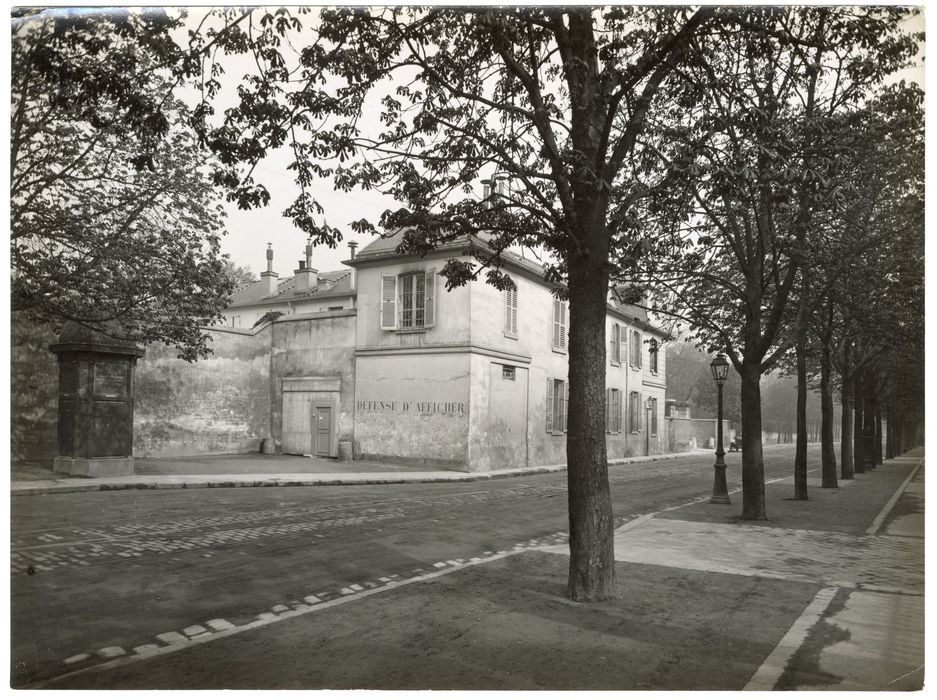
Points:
x=720, y=369
x=649, y=406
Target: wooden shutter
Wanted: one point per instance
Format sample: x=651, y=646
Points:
x=549, y=405
x=388, y=302
x=556, y=323
x=565, y=405
x=609, y=410
x=429, y=309
x=514, y=310
x=615, y=346
x=623, y=340
x=563, y=325
x=619, y=413
x=639, y=349
x=510, y=311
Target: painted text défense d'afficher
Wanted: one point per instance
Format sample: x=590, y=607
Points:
x=422, y=407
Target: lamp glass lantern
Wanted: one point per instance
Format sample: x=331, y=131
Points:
x=720, y=368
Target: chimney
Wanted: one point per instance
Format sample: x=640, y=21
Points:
x=353, y=281
x=307, y=277
x=268, y=279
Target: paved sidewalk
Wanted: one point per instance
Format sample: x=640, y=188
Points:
x=229, y=471
x=865, y=628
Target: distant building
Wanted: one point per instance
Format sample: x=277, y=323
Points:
x=308, y=290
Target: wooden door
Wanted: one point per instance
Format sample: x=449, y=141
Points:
x=323, y=431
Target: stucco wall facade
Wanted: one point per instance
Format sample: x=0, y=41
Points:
x=413, y=407
x=694, y=433
x=34, y=382
x=218, y=405
x=319, y=347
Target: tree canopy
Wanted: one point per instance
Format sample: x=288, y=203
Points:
x=114, y=218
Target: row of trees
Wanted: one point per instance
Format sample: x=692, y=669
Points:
x=720, y=155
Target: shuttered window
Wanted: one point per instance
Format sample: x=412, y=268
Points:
x=556, y=405
x=654, y=417
x=510, y=312
x=636, y=349
x=613, y=411
x=559, y=325
x=634, y=412
x=408, y=301
x=614, y=349
x=653, y=356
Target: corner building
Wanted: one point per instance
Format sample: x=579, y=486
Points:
x=475, y=378
x=380, y=358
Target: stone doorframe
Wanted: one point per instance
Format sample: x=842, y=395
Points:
x=323, y=391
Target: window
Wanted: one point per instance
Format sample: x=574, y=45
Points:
x=336, y=308
x=559, y=325
x=507, y=372
x=510, y=312
x=617, y=342
x=557, y=401
x=635, y=349
x=654, y=417
x=653, y=356
x=408, y=301
x=235, y=321
x=613, y=411
x=634, y=412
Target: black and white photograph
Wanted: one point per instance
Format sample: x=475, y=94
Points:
x=467, y=347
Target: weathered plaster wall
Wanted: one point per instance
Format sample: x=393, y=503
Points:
x=694, y=433
x=219, y=405
x=34, y=382
x=245, y=317
x=316, y=345
x=533, y=348
x=451, y=309
x=498, y=416
x=413, y=408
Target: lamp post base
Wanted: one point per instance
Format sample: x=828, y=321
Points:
x=720, y=489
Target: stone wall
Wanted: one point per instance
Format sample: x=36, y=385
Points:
x=34, y=384
x=218, y=405
x=227, y=403
x=695, y=433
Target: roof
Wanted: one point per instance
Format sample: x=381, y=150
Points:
x=334, y=283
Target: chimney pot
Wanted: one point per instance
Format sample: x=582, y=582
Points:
x=268, y=279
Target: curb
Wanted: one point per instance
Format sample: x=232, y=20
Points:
x=273, y=481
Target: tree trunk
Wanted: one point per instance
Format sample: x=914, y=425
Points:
x=858, y=425
x=868, y=431
x=847, y=466
x=889, y=433
x=800, y=452
x=753, y=467
x=591, y=527
x=877, y=414
x=827, y=453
